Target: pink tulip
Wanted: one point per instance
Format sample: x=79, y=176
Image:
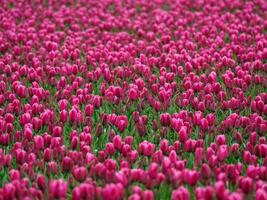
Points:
x=112, y=191
x=221, y=140
x=110, y=148
x=129, y=140
x=73, y=115
x=190, y=177
x=41, y=181
x=148, y=195
x=79, y=173
x=164, y=144
x=246, y=184
x=9, y=191
x=261, y=194
x=89, y=109
x=121, y=125
x=67, y=164
x=133, y=94
x=165, y=119
x=183, y=134
x=63, y=116
x=117, y=142
x=180, y=193
x=222, y=153
x=58, y=189
x=153, y=170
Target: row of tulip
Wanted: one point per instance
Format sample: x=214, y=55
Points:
x=130, y=99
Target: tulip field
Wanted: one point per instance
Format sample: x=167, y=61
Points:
x=133, y=99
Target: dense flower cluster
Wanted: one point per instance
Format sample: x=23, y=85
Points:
x=118, y=99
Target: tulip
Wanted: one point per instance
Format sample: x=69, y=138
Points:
x=7, y=160
x=153, y=170
x=117, y=142
x=67, y=164
x=99, y=130
x=180, y=193
x=41, y=181
x=183, y=134
x=110, y=148
x=121, y=125
x=4, y=139
x=135, y=197
x=20, y=156
x=9, y=191
x=79, y=173
x=253, y=138
x=222, y=153
x=199, y=154
x=47, y=154
x=148, y=195
x=125, y=149
x=133, y=94
x=261, y=194
x=120, y=177
x=221, y=140
x=89, y=109
x=58, y=189
x=129, y=140
x=246, y=184
x=112, y=191
x=190, y=177
x=14, y=175
x=63, y=116
x=173, y=156
x=165, y=119
x=164, y=144
x=57, y=131
x=219, y=189
x=52, y=167
x=205, y=171
x=73, y=115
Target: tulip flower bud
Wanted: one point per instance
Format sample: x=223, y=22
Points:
x=14, y=175
x=99, y=130
x=129, y=140
x=57, y=131
x=67, y=164
x=183, y=134
x=63, y=116
x=222, y=152
x=165, y=119
x=133, y=94
x=153, y=170
x=79, y=173
x=9, y=191
x=261, y=194
x=148, y=195
x=52, y=167
x=199, y=154
x=41, y=181
x=117, y=142
x=246, y=184
x=47, y=155
x=73, y=115
x=38, y=142
x=110, y=149
x=253, y=138
x=164, y=144
x=221, y=140
x=58, y=189
x=89, y=109
x=180, y=193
